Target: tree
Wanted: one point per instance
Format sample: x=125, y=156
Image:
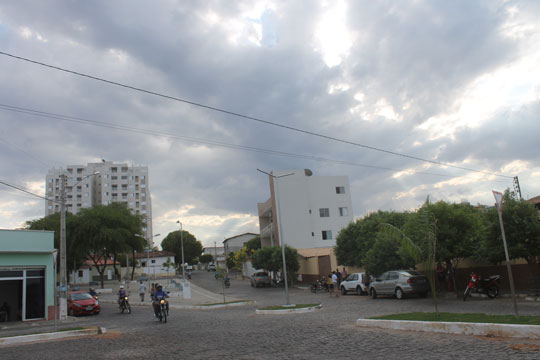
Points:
x=206, y=258
x=74, y=257
x=168, y=264
x=270, y=258
x=253, y=245
x=386, y=254
x=102, y=232
x=460, y=230
x=354, y=241
x=522, y=229
x=173, y=243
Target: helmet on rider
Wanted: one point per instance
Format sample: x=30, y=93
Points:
x=121, y=287
x=159, y=287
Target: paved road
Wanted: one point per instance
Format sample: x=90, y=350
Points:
x=238, y=333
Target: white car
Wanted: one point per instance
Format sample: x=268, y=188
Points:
x=357, y=282
x=211, y=267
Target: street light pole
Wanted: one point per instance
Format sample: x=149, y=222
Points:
x=281, y=240
x=182, y=244
x=63, y=261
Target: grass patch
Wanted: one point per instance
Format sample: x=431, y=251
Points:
x=465, y=317
x=47, y=332
x=295, y=306
x=225, y=303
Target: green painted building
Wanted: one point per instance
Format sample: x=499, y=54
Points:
x=26, y=275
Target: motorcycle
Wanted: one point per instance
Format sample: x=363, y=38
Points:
x=124, y=305
x=481, y=285
x=161, y=310
x=319, y=286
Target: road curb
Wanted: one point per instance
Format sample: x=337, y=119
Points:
x=22, y=339
x=481, y=329
x=289, y=311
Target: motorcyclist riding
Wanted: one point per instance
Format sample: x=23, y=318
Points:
x=92, y=292
x=159, y=294
x=121, y=294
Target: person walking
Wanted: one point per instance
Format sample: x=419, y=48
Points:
x=343, y=274
x=330, y=285
x=142, y=290
x=335, y=280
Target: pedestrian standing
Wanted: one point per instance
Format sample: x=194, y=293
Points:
x=343, y=274
x=152, y=291
x=330, y=285
x=335, y=280
x=142, y=290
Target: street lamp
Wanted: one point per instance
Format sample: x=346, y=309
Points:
x=182, y=243
x=281, y=240
x=63, y=273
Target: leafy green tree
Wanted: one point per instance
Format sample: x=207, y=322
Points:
x=229, y=262
x=192, y=247
x=253, y=245
x=270, y=258
x=206, y=258
x=386, y=254
x=74, y=257
x=522, y=230
x=460, y=229
x=104, y=232
x=354, y=241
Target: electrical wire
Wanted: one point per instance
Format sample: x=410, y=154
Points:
x=26, y=191
x=251, y=118
x=201, y=141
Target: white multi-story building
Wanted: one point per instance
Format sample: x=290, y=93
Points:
x=311, y=210
x=114, y=183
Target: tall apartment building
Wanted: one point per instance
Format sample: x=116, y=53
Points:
x=311, y=210
x=115, y=182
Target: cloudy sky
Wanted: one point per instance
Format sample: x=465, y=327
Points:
x=451, y=82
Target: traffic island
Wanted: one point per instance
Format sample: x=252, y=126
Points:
x=224, y=304
x=526, y=327
x=52, y=335
x=288, y=309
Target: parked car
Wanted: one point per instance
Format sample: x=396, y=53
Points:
x=400, y=283
x=260, y=279
x=81, y=302
x=357, y=282
x=211, y=267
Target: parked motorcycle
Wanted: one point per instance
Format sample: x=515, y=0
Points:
x=161, y=310
x=124, y=305
x=481, y=285
x=319, y=286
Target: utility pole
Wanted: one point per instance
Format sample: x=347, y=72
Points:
x=280, y=233
x=63, y=264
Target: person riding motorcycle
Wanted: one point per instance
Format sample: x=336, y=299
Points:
x=92, y=292
x=121, y=294
x=159, y=294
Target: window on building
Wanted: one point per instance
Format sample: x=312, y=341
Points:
x=124, y=177
x=114, y=169
x=153, y=261
x=324, y=212
x=343, y=211
x=327, y=235
x=340, y=189
x=114, y=177
x=80, y=273
x=312, y=233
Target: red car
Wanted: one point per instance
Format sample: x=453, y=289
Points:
x=81, y=302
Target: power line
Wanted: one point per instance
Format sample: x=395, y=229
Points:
x=26, y=191
x=198, y=141
x=232, y=113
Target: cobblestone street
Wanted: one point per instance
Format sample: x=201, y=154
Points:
x=238, y=333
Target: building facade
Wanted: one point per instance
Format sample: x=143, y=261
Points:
x=235, y=243
x=114, y=182
x=310, y=210
x=26, y=275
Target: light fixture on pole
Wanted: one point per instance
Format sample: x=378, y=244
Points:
x=281, y=240
x=63, y=261
x=182, y=244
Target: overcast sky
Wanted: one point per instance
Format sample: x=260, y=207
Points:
x=453, y=82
